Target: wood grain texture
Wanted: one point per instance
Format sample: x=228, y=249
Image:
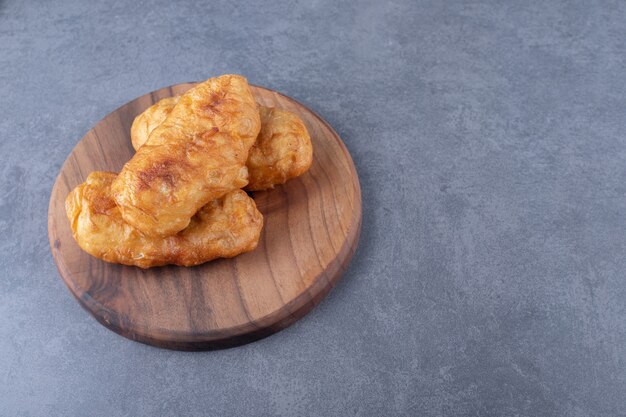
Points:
x=312, y=226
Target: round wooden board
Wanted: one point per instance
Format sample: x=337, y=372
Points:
x=311, y=229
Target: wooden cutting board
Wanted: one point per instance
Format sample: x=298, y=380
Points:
x=311, y=230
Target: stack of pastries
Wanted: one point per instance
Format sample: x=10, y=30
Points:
x=180, y=199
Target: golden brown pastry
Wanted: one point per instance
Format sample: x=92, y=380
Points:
x=223, y=228
x=282, y=150
x=150, y=119
x=196, y=155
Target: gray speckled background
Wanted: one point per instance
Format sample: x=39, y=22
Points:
x=490, y=139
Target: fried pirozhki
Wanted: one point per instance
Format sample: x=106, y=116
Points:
x=196, y=155
x=223, y=228
x=150, y=119
x=282, y=150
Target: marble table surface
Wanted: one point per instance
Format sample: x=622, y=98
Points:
x=490, y=141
